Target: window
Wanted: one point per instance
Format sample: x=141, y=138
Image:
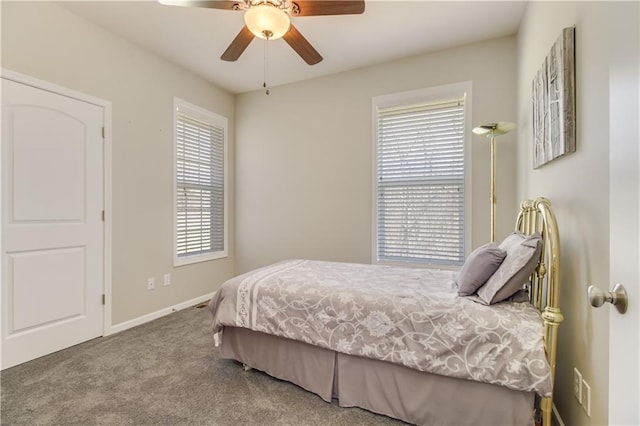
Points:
x=200, y=218
x=421, y=201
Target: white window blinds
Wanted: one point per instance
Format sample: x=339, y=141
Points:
x=200, y=187
x=420, y=182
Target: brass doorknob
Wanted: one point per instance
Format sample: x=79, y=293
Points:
x=617, y=297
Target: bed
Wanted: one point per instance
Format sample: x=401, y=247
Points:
x=401, y=341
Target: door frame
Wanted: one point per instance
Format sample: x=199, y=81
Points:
x=624, y=214
x=106, y=182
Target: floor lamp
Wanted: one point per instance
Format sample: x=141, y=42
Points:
x=491, y=130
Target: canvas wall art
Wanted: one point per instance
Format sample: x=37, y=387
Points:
x=554, y=102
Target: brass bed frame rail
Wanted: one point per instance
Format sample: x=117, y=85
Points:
x=544, y=288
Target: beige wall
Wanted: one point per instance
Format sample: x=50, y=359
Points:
x=304, y=154
x=45, y=41
x=578, y=186
x=303, y=165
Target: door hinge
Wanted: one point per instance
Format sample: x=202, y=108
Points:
x=103, y=133
x=104, y=299
x=103, y=215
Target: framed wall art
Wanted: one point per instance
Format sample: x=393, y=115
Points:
x=554, y=102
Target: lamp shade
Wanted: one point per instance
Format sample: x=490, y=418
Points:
x=267, y=21
x=494, y=129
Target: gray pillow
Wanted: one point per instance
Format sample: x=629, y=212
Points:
x=479, y=266
x=523, y=255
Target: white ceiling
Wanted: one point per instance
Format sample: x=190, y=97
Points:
x=196, y=37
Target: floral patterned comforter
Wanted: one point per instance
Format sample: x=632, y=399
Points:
x=407, y=316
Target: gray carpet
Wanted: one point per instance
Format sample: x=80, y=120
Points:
x=166, y=372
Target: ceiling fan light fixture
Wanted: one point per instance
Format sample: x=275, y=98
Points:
x=267, y=21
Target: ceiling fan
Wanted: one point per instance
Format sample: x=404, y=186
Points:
x=270, y=20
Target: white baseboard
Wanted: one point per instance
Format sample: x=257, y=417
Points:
x=556, y=417
x=157, y=314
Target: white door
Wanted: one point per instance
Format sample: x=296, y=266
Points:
x=624, y=163
x=52, y=225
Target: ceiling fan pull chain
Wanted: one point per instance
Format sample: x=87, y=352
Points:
x=266, y=64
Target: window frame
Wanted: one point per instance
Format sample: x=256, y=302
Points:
x=426, y=95
x=216, y=120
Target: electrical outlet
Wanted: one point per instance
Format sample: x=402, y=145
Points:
x=586, y=397
x=151, y=283
x=577, y=385
x=167, y=279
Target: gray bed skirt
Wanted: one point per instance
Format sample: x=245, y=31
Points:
x=379, y=386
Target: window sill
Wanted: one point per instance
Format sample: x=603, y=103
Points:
x=418, y=265
x=197, y=258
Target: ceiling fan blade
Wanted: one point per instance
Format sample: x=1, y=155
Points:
x=302, y=46
x=329, y=7
x=211, y=4
x=238, y=45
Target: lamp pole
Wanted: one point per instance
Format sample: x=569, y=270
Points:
x=493, y=187
x=491, y=130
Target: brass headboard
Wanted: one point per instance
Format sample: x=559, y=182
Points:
x=544, y=291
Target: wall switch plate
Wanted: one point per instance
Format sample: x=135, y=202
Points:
x=577, y=385
x=151, y=283
x=167, y=279
x=586, y=397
